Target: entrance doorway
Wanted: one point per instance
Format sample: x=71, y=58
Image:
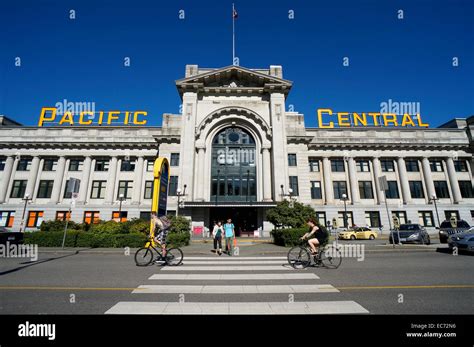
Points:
x=245, y=219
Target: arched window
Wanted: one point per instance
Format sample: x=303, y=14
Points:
x=233, y=169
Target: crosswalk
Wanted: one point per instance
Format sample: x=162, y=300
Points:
x=235, y=286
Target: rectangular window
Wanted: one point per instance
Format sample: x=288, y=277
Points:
x=24, y=165
x=173, y=186
x=76, y=164
x=2, y=164
x=18, y=189
x=387, y=165
x=314, y=164
x=145, y=215
x=174, y=159
x=45, y=188
x=7, y=218
x=449, y=214
x=392, y=191
x=365, y=190
x=119, y=216
x=337, y=165
x=101, y=165
x=149, y=165
x=294, y=185
x=340, y=188
x=50, y=164
x=98, y=189
x=63, y=215
x=372, y=219
x=412, y=165
x=35, y=218
x=460, y=165
x=321, y=218
x=316, y=190
x=349, y=219
x=426, y=218
x=416, y=190
x=401, y=215
x=148, y=190
x=127, y=165
x=91, y=217
x=436, y=165
x=363, y=166
x=125, y=188
x=467, y=191
x=441, y=189
x=291, y=159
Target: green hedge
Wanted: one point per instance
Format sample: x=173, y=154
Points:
x=291, y=236
x=178, y=239
x=76, y=238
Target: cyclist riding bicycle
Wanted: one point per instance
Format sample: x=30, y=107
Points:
x=163, y=224
x=316, y=236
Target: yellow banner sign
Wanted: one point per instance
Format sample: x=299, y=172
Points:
x=49, y=115
x=353, y=119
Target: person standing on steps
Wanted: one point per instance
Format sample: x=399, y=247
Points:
x=229, y=230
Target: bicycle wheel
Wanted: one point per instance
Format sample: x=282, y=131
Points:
x=331, y=258
x=143, y=256
x=174, y=256
x=299, y=257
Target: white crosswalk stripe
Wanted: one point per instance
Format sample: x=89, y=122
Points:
x=245, y=279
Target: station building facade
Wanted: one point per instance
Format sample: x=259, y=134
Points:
x=235, y=152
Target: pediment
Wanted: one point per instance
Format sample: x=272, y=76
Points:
x=232, y=77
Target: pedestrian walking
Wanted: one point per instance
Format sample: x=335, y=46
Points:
x=217, y=233
x=229, y=230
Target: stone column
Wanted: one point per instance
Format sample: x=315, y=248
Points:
x=267, y=174
x=137, y=182
x=457, y=198
x=30, y=186
x=402, y=172
x=110, y=188
x=328, y=192
x=355, y=198
x=378, y=173
x=7, y=174
x=84, y=187
x=430, y=189
x=58, y=180
x=201, y=151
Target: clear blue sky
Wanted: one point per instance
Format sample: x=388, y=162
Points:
x=82, y=59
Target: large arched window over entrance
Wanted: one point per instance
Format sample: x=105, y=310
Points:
x=233, y=172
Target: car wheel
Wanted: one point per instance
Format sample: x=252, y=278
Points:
x=428, y=241
x=371, y=237
x=353, y=237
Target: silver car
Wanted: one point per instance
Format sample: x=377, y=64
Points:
x=462, y=241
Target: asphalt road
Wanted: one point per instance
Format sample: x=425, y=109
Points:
x=404, y=280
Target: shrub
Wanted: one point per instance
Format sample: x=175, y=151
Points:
x=179, y=224
x=139, y=226
x=109, y=227
x=178, y=239
x=59, y=225
x=282, y=215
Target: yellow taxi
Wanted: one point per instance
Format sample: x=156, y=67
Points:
x=358, y=233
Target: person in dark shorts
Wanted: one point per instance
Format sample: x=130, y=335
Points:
x=315, y=235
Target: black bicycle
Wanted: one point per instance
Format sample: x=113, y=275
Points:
x=146, y=255
x=300, y=257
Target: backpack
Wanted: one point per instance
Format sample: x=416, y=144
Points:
x=165, y=223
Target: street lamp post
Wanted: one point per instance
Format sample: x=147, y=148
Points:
x=434, y=199
x=345, y=198
x=25, y=199
x=121, y=200
x=179, y=194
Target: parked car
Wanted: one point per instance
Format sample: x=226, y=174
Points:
x=463, y=241
x=410, y=233
x=359, y=233
x=10, y=236
x=445, y=229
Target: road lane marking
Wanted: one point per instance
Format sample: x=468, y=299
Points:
x=226, y=268
x=233, y=262
x=231, y=277
x=235, y=289
x=234, y=308
x=227, y=258
x=435, y=286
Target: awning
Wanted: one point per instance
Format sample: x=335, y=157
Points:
x=229, y=204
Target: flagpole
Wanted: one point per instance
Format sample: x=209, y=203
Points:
x=233, y=34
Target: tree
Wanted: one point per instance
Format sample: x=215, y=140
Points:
x=284, y=216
